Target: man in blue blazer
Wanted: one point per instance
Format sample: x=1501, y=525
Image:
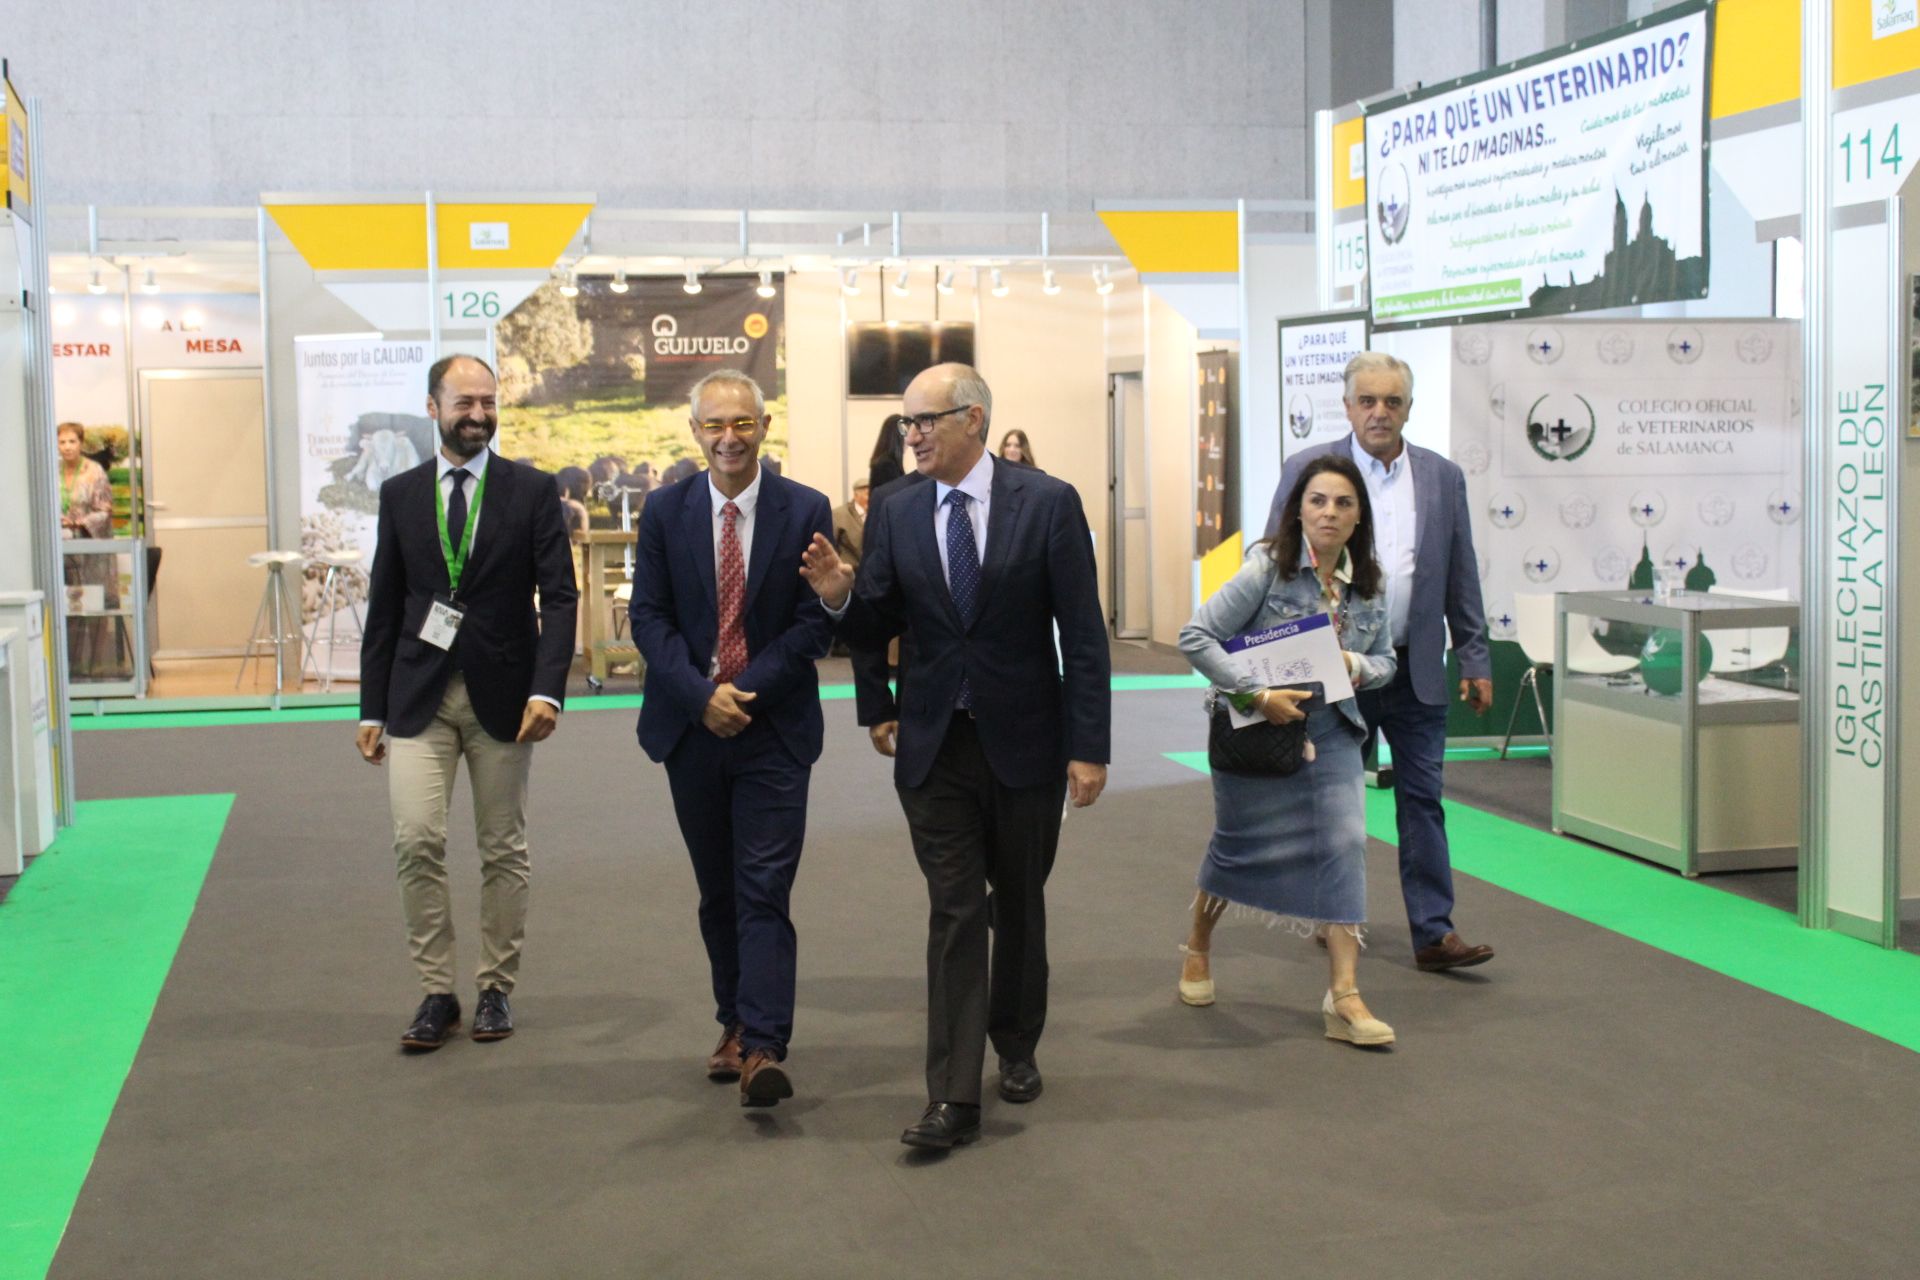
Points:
x=1423, y=537
x=995, y=733
x=730, y=634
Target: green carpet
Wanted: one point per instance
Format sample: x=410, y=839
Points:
x=89, y=934
x=213, y=718
x=1862, y=985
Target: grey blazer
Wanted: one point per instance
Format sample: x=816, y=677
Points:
x=1446, y=576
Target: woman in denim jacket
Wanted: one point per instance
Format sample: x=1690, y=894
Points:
x=1294, y=848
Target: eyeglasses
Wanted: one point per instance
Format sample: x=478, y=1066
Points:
x=1394, y=404
x=739, y=427
x=923, y=422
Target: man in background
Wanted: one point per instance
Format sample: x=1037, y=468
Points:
x=849, y=524
x=469, y=638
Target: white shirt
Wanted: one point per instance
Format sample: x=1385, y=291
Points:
x=1395, y=529
x=748, y=500
x=443, y=469
x=977, y=484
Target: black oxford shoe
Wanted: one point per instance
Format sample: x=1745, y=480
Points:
x=492, y=1020
x=1019, y=1080
x=437, y=1018
x=944, y=1126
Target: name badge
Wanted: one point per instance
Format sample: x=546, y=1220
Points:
x=442, y=625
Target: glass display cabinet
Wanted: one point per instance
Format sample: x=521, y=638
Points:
x=106, y=588
x=1690, y=757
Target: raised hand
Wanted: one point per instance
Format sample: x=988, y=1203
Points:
x=830, y=577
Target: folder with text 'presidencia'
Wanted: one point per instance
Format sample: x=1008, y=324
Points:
x=1303, y=651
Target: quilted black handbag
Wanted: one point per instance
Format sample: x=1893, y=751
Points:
x=1262, y=750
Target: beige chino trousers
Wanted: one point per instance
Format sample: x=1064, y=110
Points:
x=420, y=773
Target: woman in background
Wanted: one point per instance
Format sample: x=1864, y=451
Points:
x=889, y=458
x=1294, y=848
x=86, y=511
x=1014, y=448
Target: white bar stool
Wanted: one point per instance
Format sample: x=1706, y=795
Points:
x=333, y=596
x=277, y=610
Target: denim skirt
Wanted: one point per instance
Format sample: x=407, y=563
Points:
x=1295, y=847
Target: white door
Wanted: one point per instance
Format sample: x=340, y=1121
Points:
x=1128, y=560
x=205, y=479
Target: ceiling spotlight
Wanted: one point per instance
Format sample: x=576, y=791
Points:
x=64, y=314
x=999, y=284
x=570, y=284
x=946, y=282
x=192, y=319
x=1102, y=280
x=693, y=281
x=1048, y=285
x=149, y=285
x=850, y=282
x=619, y=284
x=96, y=285
x=765, y=288
x=900, y=283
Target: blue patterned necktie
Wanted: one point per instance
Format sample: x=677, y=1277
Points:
x=963, y=573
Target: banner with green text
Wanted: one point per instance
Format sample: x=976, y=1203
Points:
x=1569, y=182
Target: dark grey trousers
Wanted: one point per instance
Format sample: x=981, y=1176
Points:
x=973, y=835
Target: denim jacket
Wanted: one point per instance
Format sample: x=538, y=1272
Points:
x=1258, y=597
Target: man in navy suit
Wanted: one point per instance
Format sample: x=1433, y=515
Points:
x=730, y=634
x=981, y=565
x=462, y=661
x=1424, y=539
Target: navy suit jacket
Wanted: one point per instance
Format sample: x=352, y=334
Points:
x=506, y=649
x=1446, y=576
x=676, y=613
x=1032, y=715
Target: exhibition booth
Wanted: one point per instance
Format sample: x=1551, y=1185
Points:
x=1594, y=261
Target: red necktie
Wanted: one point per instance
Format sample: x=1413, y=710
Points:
x=731, y=650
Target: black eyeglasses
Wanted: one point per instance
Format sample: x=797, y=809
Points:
x=924, y=421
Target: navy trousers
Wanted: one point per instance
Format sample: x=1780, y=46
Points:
x=742, y=807
x=1417, y=735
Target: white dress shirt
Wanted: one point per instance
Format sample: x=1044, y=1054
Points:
x=742, y=530
x=443, y=469
x=1396, y=530
x=977, y=484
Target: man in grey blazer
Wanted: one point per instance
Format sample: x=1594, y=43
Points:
x=1424, y=539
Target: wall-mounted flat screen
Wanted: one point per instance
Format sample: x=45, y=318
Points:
x=883, y=358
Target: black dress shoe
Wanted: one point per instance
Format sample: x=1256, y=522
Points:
x=944, y=1126
x=492, y=1020
x=1019, y=1081
x=437, y=1018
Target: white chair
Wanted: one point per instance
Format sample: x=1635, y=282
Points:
x=1746, y=649
x=1533, y=628
x=279, y=611
x=1533, y=617
x=333, y=596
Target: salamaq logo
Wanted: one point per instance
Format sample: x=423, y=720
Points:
x=1891, y=17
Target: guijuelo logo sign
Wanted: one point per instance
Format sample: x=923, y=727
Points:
x=1395, y=205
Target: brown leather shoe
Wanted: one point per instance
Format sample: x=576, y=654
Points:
x=763, y=1081
x=724, y=1065
x=1451, y=953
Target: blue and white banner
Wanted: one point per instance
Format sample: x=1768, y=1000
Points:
x=1570, y=182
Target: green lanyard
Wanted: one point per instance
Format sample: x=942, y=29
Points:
x=457, y=561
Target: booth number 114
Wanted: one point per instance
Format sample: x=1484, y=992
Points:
x=1889, y=153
